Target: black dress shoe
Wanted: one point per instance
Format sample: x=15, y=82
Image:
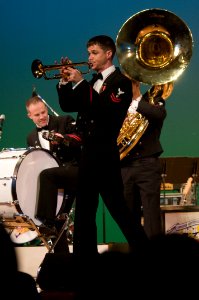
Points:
x=48, y=232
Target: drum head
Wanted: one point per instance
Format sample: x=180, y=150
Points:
x=23, y=235
x=27, y=173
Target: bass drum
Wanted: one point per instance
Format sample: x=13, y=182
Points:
x=19, y=171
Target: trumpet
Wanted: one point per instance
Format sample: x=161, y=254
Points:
x=39, y=70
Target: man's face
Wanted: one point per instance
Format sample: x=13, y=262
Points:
x=99, y=58
x=38, y=113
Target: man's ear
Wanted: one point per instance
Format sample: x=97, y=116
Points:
x=109, y=53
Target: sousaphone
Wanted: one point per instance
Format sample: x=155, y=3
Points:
x=153, y=47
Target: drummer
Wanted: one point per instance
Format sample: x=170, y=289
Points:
x=58, y=135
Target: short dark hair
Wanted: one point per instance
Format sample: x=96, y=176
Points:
x=104, y=41
x=33, y=100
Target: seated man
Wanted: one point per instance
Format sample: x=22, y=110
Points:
x=58, y=135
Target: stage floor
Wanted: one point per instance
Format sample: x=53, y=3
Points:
x=30, y=258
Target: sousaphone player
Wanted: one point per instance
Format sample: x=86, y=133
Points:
x=150, y=50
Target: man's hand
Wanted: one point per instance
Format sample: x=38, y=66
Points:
x=63, y=69
x=136, y=89
x=54, y=138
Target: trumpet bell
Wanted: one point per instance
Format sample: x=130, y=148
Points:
x=154, y=46
x=37, y=68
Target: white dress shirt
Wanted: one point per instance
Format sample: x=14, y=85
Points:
x=98, y=84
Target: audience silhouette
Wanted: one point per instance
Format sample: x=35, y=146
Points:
x=14, y=283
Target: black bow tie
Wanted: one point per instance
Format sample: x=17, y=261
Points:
x=96, y=77
x=42, y=128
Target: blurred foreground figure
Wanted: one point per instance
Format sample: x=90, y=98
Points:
x=13, y=282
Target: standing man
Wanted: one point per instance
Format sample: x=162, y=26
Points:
x=141, y=168
x=65, y=146
x=102, y=105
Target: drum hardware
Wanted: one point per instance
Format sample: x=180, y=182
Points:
x=34, y=93
x=52, y=110
x=22, y=221
x=67, y=226
x=70, y=225
x=14, y=156
x=16, y=224
x=64, y=227
x=2, y=118
x=6, y=178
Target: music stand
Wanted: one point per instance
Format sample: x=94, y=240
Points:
x=177, y=170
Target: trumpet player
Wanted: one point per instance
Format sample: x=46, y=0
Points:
x=102, y=105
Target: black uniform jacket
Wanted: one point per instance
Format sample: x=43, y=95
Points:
x=100, y=115
x=67, y=151
x=149, y=143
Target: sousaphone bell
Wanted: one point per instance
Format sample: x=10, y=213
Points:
x=153, y=47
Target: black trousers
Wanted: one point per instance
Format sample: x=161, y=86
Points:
x=100, y=174
x=50, y=180
x=142, y=180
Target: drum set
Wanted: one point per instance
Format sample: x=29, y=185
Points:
x=19, y=171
